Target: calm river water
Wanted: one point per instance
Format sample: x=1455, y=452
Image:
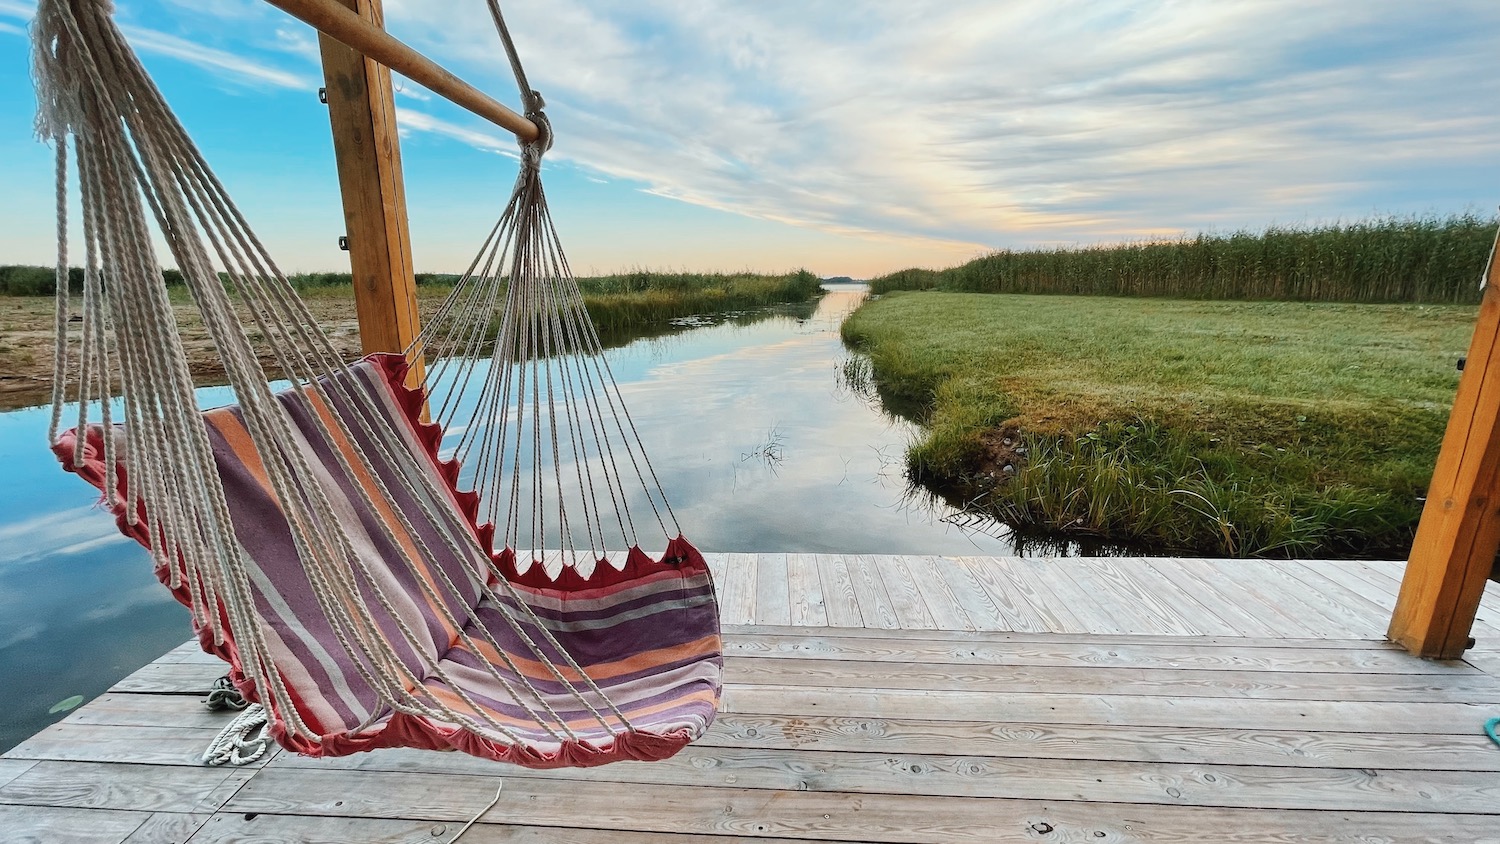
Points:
x=757, y=439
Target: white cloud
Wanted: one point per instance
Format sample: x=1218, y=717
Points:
x=1007, y=123
x=948, y=127
x=13, y=30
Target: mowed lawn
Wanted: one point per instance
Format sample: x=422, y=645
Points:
x=1206, y=426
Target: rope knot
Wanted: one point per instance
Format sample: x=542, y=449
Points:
x=532, y=151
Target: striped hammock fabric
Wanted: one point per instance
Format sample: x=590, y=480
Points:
x=647, y=634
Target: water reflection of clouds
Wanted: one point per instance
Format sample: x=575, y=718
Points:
x=708, y=398
x=126, y=602
x=70, y=531
x=21, y=635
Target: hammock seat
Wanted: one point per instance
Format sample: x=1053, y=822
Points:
x=647, y=634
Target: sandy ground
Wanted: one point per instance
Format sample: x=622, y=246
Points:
x=26, y=335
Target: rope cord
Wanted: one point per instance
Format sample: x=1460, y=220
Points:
x=477, y=815
x=1484, y=275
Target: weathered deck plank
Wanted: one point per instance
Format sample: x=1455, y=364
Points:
x=1175, y=653
x=828, y=815
x=52, y=824
x=839, y=597
x=1207, y=593
x=806, y=587
x=1123, y=710
x=1469, y=687
x=772, y=599
x=127, y=787
x=1154, y=783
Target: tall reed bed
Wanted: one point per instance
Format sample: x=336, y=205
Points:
x=1394, y=259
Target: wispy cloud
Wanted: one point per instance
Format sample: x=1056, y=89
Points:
x=231, y=66
x=67, y=532
x=410, y=120
x=1032, y=121
x=13, y=30
x=17, y=9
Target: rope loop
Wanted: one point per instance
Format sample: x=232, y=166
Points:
x=244, y=741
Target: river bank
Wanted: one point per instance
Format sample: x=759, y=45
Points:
x=621, y=306
x=1214, y=428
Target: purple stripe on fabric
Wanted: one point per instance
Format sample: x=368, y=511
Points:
x=550, y=686
x=585, y=610
x=430, y=537
x=608, y=644
x=264, y=533
x=386, y=553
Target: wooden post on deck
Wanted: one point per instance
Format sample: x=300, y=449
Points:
x=1460, y=528
x=362, y=112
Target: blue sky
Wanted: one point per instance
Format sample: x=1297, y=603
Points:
x=849, y=138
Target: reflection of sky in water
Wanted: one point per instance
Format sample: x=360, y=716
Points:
x=79, y=607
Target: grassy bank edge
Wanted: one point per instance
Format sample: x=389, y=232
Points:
x=1255, y=475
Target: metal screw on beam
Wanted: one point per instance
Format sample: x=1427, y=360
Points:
x=323, y=96
x=1461, y=362
x=344, y=242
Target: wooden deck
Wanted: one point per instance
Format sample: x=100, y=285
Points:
x=895, y=699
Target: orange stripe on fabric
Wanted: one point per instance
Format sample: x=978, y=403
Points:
x=605, y=671
x=384, y=512
x=237, y=437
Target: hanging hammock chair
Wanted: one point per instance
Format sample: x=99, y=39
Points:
x=374, y=579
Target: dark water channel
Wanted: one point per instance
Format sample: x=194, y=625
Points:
x=758, y=440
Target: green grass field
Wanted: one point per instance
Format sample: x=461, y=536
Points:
x=1233, y=428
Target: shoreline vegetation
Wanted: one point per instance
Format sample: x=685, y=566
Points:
x=1179, y=416
x=1393, y=259
x=615, y=302
x=623, y=306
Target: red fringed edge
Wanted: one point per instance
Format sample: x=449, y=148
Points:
x=680, y=555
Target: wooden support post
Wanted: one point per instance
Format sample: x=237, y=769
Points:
x=362, y=111
x=1460, y=528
